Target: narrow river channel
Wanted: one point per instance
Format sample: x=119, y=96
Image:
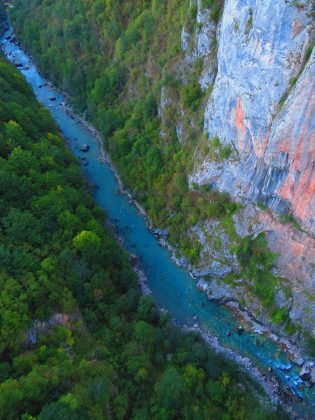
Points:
x=171, y=286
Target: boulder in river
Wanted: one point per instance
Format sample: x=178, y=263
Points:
x=52, y=98
x=308, y=372
x=85, y=147
x=299, y=361
x=160, y=232
x=202, y=285
x=240, y=329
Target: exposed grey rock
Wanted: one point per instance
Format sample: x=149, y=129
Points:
x=299, y=361
x=185, y=36
x=202, y=285
x=215, y=244
x=165, y=100
x=307, y=371
x=281, y=300
x=218, y=269
x=180, y=132
x=42, y=327
x=207, y=173
x=261, y=47
x=204, y=45
x=183, y=261
x=246, y=222
x=200, y=45
x=302, y=310
x=160, y=232
x=222, y=292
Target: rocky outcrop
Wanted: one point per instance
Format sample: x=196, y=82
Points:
x=216, y=258
x=295, y=252
x=43, y=327
x=201, y=45
x=308, y=372
x=262, y=49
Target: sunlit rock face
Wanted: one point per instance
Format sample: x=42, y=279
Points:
x=292, y=138
x=263, y=61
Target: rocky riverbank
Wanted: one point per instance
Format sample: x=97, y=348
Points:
x=270, y=385
x=246, y=319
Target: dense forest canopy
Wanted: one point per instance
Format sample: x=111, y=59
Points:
x=108, y=353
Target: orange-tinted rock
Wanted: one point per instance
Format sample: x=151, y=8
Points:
x=294, y=134
x=240, y=124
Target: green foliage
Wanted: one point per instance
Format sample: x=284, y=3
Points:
x=311, y=346
x=294, y=80
x=261, y=205
x=249, y=22
x=191, y=18
x=309, y=49
x=112, y=356
x=257, y=262
x=282, y=101
x=217, y=151
x=236, y=25
x=87, y=243
x=170, y=389
x=192, y=95
x=280, y=315
x=288, y=218
x=215, y=7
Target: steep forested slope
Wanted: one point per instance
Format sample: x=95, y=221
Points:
x=151, y=75
x=2, y=15
x=104, y=351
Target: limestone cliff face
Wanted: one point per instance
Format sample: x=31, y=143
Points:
x=259, y=63
x=262, y=103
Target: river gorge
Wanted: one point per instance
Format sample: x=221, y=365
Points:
x=171, y=286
